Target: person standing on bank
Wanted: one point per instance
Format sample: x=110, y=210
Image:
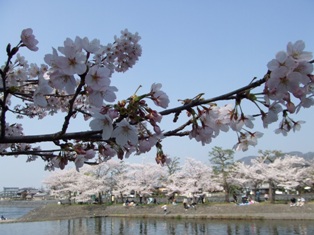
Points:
x=185, y=203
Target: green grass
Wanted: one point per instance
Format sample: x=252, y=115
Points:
x=178, y=217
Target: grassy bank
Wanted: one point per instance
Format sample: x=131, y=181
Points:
x=261, y=211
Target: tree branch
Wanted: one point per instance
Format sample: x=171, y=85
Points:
x=85, y=135
x=226, y=96
x=96, y=135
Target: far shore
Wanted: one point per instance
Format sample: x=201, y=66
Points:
x=48, y=211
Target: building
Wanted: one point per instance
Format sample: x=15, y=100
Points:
x=9, y=192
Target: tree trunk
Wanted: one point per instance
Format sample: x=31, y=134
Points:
x=227, y=191
x=271, y=192
x=70, y=197
x=122, y=199
x=227, y=196
x=99, y=198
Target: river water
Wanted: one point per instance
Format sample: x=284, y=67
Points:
x=133, y=226
x=14, y=212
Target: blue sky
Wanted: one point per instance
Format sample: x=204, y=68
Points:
x=188, y=46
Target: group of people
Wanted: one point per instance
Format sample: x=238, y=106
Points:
x=245, y=200
x=297, y=202
x=189, y=203
x=129, y=203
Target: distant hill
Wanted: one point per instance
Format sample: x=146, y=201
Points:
x=306, y=156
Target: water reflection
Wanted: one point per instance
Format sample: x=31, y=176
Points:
x=125, y=226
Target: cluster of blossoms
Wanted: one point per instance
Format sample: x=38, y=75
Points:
x=76, y=79
x=290, y=81
x=131, y=133
x=215, y=119
x=75, y=61
x=289, y=75
x=11, y=130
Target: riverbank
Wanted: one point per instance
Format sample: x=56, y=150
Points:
x=261, y=211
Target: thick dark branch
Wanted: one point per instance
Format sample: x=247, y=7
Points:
x=86, y=135
x=71, y=105
x=41, y=153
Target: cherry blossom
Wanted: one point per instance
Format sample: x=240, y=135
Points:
x=120, y=178
x=42, y=90
x=126, y=50
x=53, y=60
x=102, y=122
x=296, y=50
x=29, y=40
x=97, y=78
x=247, y=139
x=146, y=144
x=61, y=81
x=243, y=120
x=202, y=134
x=90, y=46
x=76, y=81
x=159, y=97
x=74, y=64
x=79, y=161
x=125, y=133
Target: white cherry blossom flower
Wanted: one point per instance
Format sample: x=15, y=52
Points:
x=146, y=144
x=282, y=131
x=107, y=151
x=54, y=60
x=73, y=65
x=62, y=81
x=306, y=102
x=282, y=65
x=124, y=133
x=159, y=97
x=90, y=154
x=297, y=125
x=20, y=60
x=202, y=134
x=154, y=116
x=29, y=40
x=296, y=50
x=71, y=47
x=40, y=93
x=98, y=77
x=273, y=111
x=102, y=122
x=90, y=46
x=79, y=162
x=243, y=120
x=73, y=61
x=33, y=70
x=304, y=68
x=246, y=140
x=96, y=98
